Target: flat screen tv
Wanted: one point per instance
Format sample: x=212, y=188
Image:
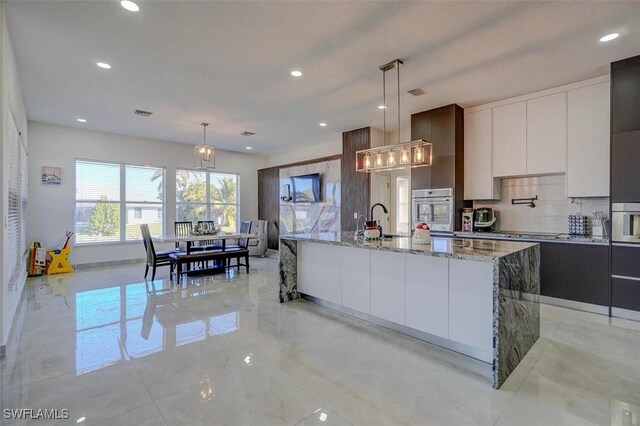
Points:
x=305, y=188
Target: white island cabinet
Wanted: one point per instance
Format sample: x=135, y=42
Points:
x=319, y=269
x=387, y=286
x=356, y=279
x=470, y=304
x=427, y=294
x=476, y=297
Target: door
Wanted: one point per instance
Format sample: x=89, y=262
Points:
x=588, y=141
x=479, y=183
x=547, y=134
x=510, y=140
x=625, y=173
x=381, y=193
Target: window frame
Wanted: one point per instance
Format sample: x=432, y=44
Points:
x=208, y=203
x=122, y=202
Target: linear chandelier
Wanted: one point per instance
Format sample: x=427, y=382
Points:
x=403, y=155
x=204, y=156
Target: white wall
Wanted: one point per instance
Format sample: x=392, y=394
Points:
x=51, y=210
x=11, y=95
x=306, y=153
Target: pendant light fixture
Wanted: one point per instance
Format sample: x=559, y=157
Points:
x=412, y=154
x=204, y=155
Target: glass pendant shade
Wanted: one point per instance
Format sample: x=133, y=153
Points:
x=204, y=156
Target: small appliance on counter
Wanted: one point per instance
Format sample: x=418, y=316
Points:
x=467, y=220
x=484, y=219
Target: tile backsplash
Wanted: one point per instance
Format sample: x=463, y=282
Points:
x=552, y=207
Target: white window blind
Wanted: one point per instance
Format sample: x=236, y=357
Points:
x=109, y=196
x=208, y=196
x=17, y=205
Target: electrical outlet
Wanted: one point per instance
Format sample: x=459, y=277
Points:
x=355, y=215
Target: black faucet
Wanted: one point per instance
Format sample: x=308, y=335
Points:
x=384, y=209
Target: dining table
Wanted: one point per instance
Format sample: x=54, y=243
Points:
x=188, y=240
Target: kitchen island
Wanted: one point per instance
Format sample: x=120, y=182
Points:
x=476, y=297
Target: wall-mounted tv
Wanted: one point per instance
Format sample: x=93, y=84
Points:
x=305, y=188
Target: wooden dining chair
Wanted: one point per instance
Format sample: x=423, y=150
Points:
x=154, y=258
x=210, y=244
x=245, y=228
x=182, y=229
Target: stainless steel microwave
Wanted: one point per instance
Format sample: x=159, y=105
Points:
x=625, y=222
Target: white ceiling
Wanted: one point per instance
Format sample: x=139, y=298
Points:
x=228, y=63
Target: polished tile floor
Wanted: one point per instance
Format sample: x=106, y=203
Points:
x=116, y=350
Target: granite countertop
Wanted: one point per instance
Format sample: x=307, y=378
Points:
x=456, y=248
x=524, y=236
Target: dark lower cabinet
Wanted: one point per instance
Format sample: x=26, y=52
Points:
x=625, y=294
x=625, y=281
x=578, y=272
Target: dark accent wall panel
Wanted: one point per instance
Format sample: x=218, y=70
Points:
x=268, y=202
x=355, y=185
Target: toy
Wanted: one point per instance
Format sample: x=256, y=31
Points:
x=422, y=234
x=60, y=258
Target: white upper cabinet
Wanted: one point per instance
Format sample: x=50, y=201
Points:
x=479, y=183
x=588, y=141
x=509, y=150
x=547, y=134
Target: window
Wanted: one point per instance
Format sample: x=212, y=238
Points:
x=17, y=202
x=208, y=196
x=112, y=200
x=402, y=205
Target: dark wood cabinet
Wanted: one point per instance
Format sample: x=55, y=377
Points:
x=625, y=166
x=578, y=272
x=625, y=95
x=444, y=128
x=625, y=294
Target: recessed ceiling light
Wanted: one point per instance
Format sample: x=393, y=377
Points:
x=129, y=5
x=609, y=37
x=248, y=147
x=81, y=120
x=322, y=124
x=103, y=65
x=382, y=107
x=296, y=73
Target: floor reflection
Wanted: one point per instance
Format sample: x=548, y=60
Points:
x=135, y=320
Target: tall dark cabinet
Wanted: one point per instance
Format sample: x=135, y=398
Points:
x=444, y=128
x=625, y=177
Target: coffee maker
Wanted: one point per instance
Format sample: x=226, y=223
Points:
x=484, y=219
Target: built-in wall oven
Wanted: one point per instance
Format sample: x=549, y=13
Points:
x=625, y=222
x=433, y=206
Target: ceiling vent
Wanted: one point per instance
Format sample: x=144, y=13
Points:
x=142, y=112
x=246, y=133
x=417, y=91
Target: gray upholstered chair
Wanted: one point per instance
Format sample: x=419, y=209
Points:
x=258, y=245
